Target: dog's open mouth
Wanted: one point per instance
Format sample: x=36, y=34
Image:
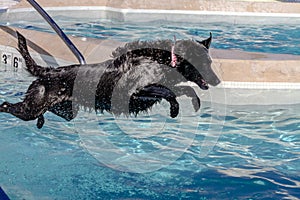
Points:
x=203, y=84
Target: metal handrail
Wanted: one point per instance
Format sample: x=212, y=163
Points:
x=58, y=30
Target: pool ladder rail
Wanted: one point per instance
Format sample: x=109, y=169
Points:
x=58, y=30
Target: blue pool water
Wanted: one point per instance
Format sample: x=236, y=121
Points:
x=253, y=153
x=283, y=39
x=222, y=152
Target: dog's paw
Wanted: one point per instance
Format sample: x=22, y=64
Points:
x=196, y=103
x=174, y=109
x=40, y=122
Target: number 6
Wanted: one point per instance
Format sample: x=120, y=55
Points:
x=16, y=64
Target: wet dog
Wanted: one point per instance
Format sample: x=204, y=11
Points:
x=139, y=75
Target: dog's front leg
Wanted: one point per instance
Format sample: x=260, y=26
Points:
x=21, y=111
x=189, y=92
x=154, y=93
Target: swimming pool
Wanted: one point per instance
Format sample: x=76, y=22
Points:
x=268, y=38
x=254, y=154
x=224, y=151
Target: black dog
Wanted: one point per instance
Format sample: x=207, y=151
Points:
x=139, y=75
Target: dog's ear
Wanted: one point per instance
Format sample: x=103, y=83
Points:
x=206, y=42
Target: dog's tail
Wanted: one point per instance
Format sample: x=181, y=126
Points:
x=31, y=65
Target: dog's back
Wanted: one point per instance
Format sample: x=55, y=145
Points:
x=141, y=72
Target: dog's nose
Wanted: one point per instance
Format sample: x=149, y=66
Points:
x=214, y=82
x=217, y=82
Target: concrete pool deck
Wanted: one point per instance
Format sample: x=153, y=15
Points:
x=237, y=69
x=269, y=6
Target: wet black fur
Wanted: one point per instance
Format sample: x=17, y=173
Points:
x=143, y=63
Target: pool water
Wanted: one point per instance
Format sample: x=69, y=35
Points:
x=280, y=39
x=221, y=152
x=253, y=153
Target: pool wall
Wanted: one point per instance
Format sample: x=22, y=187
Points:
x=247, y=78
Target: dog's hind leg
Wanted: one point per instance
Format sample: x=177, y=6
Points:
x=22, y=111
x=149, y=95
x=34, y=105
x=40, y=121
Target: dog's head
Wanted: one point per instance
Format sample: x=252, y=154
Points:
x=189, y=57
x=195, y=63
